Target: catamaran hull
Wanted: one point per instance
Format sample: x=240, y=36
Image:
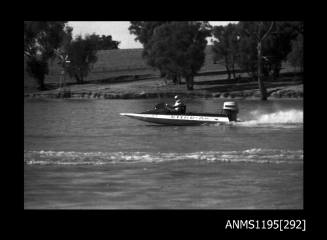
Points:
x=177, y=119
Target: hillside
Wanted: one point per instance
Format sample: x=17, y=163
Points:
x=114, y=63
x=121, y=60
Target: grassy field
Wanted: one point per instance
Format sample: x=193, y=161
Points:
x=123, y=60
x=114, y=63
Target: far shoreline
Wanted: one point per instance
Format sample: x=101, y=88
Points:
x=281, y=95
x=288, y=85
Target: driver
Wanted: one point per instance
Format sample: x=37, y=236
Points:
x=178, y=106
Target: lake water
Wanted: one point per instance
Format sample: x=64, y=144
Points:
x=81, y=153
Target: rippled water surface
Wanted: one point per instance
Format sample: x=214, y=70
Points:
x=83, y=154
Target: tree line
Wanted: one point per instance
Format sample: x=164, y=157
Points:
x=259, y=48
x=176, y=49
x=45, y=41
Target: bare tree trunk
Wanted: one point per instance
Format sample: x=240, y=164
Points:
x=77, y=78
x=41, y=83
x=260, y=80
x=189, y=82
x=162, y=74
x=179, y=81
x=174, y=79
x=276, y=70
x=177, y=78
x=233, y=67
x=227, y=68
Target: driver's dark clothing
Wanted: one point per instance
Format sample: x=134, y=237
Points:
x=178, y=107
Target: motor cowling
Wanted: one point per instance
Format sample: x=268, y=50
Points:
x=231, y=110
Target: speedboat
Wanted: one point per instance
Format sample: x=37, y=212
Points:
x=162, y=115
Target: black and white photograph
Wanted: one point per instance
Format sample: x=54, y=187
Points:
x=163, y=115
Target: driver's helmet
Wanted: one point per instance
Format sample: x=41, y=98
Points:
x=177, y=97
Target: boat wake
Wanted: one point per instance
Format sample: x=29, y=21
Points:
x=255, y=155
x=289, y=118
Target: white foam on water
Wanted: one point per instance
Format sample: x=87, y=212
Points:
x=254, y=155
x=286, y=118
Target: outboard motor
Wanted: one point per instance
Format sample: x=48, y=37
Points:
x=231, y=110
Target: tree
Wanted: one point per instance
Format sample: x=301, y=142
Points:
x=103, y=42
x=295, y=57
x=144, y=31
x=225, y=47
x=37, y=67
x=278, y=45
x=82, y=55
x=261, y=35
x=247, y=59
x=41, y=39
x=253, y=35
x=177, y=49
x=274, y=48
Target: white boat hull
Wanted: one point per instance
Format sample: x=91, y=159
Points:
x=177, y=119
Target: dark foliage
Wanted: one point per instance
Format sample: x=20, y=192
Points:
x=175, y=48
x=82, y=55
x=226, y=46
x=37, y=68
x=263, y=46
x=41, y=39
x=295, y=57
x=143, y=30
x=275, y=48
x=103, y=42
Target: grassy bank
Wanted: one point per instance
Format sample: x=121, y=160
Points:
x=205, y=86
